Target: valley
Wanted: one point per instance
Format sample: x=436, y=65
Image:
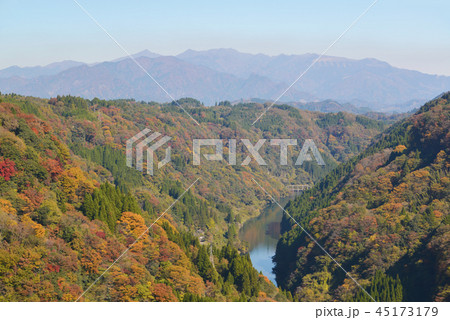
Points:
x=243, y=152
x=70, y=205
x=262, y=234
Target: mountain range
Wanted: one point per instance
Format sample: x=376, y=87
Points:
x=226, y=74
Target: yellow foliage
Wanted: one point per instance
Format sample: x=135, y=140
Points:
x=6, y=206
x=38, y=228
x=67, y=297
x=400, y=148
x=133, y=225
x=401, y=188
x=262, y=294
x=421, y=173
x=75, y=183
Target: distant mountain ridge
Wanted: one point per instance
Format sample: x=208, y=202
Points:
x=124, y=79
x=374, y=82
x=143, y=53
x=226, y=74
x=36, y=71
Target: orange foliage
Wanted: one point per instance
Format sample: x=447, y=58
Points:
x=163, y=293
x=133, y=227
x=90, y=260
x=182, y=280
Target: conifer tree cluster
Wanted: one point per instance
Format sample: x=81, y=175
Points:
x=382, y=288
x=107, y=204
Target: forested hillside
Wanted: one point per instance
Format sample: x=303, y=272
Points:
x=65, y=219
x=383, y=215
x=96, y=131
x=69, y=206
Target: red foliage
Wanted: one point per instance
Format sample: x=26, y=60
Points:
x=101, y=234
x=34, y=198
x=7, y=168
x=53, y=167
x=53, y=267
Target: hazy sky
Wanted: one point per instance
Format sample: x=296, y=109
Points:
x=410, y=34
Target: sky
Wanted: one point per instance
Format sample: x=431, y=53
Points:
x=410, y=34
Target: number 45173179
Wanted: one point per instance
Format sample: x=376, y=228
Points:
x=407, y=311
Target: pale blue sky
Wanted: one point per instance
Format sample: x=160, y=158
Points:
x=411, y=34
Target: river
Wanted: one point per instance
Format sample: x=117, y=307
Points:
x=262, y=234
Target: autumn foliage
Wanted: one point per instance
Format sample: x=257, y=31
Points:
x=7, y=168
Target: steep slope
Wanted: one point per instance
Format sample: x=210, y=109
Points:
x=69, y=205
x=383, y=215
x=64, y=220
